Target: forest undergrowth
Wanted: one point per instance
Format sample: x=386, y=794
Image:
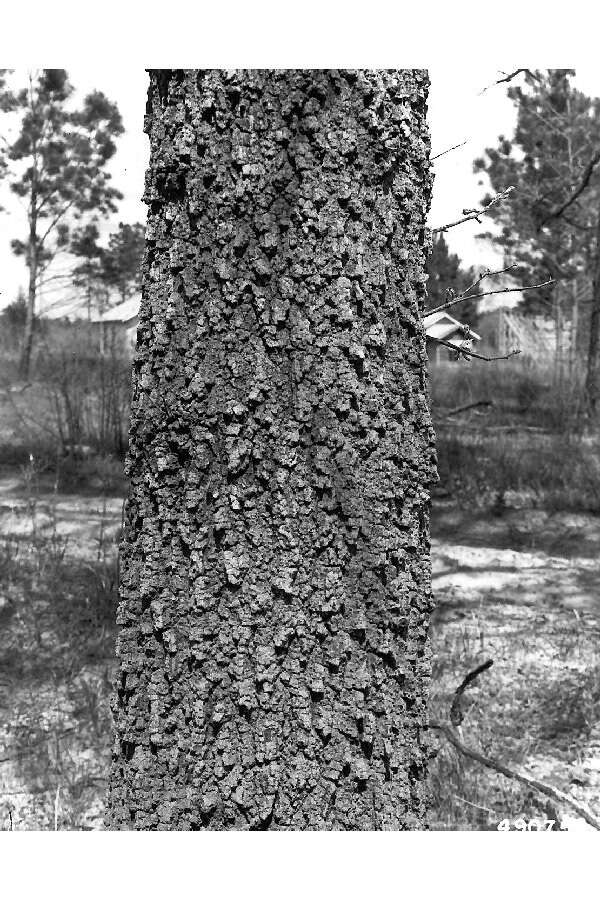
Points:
x=516, y=537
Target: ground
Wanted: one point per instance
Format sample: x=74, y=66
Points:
x=57, y=608
x=521, y=588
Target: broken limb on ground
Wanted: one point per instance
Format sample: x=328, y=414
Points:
x=503, y=591
x=522, y=589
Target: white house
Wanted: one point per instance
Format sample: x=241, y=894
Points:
x=119, y=323
x=443, y=325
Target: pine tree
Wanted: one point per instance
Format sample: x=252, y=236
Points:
x=88, y=273
x=554, y=150
x=122, y=259
x=557, y=131
x=57, y=166
x=104, y=270
x=275, y=589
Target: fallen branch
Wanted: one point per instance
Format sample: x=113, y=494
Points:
x=459, y=409
x=456, y=713
x=474, y=214
x=528, y=780
x=456, y=718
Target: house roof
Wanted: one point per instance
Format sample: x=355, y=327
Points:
x=55, y=304
x=122, y=312
x=443, y=325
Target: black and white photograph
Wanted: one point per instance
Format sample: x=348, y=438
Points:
x=300, y=445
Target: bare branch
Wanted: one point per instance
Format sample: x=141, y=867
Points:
x=456, y=719
x=449, y=150
x=454, y=299
x=521, y=287
x=487, y=274
x=474, y=214
x=528, y=780
x=509, y=77
x=508, y=290
x=456, y=713
x=55, y=221
x=585, y=180
x=458, y=349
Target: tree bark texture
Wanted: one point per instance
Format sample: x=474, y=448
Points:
x=275, y=577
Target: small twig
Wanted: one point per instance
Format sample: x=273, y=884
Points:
x=528, y=780
x=449, y=150
x=474, y=214
x=458, y=349
x=503, y=429
x=521, y=287
x=488, y=273
x=465, y=295
x=456, y=713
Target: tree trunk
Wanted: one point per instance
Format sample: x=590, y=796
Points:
x=573, y=340
x=27, y=346
x=275, y=576
x=592, y=385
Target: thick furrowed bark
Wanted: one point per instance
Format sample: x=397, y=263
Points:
x=275, y=586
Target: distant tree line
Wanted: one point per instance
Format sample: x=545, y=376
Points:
x=551, y=226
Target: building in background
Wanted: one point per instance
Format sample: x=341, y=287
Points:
x=117, y=329
x=537, y=337
x=118, y=325
x=445, y=327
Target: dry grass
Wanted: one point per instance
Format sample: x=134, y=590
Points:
x=533, y=448
x=57, y=612
x=539, y=705
x=76, y=399
x=538, y=708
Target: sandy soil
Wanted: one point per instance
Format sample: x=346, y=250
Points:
x=511, y=587
x=83, y=521
x=524, y=556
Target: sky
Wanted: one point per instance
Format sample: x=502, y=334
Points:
x=464, y=105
